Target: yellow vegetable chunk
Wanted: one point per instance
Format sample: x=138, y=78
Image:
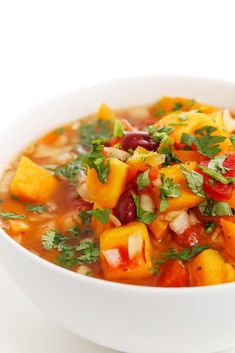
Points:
x=125, y=252
x=32, y=182
x=107, y=194
x=187, y=199
x=159, y=228
x=209, y=268
x=229, y=236
x=18, y=226
x=105, y=113
x=98, y=226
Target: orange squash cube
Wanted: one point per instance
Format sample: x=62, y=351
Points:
x=158, y=228
x=125, y=252
x=229, y=236
x=105, y=113
x=98, y=226
x=107, y=194
x=32, y=182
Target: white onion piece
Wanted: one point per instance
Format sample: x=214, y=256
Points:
x=171, y=215
x=113, y=257
x=229, y=121
x=61, y=141
x=83, y=269
x=43, y=151
x=138, y=113
x=180, y=223
x=135, y=245
x=116, y=152
x=115, y=220
x=64, y=158
x=6, y=180
x=84, y=193
x=147, y=203
x=192, y=218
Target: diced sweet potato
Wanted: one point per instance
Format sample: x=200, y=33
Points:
x=175, y=173
x=98, y=226
x=159, y=228
x=229, y=236
x=107, y=194
x=18, y=226
x=185, y=156
x=105, y=113
x=209, y=268
x=32, y=182
x=125, y=252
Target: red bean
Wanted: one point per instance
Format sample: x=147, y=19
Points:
x=132, y=140
x=125, y=210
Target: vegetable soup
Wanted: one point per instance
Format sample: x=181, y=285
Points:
x=145, y=195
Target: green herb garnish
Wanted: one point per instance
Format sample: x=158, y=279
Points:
x=194, y=181
x=210, y=226
x=100, y=129
x=118, y=128
x=11, y=215
x=215, y=208
x=167, y=189
x=143, y=180
x=59, y=131
x=143, y=215
x=96, y=160
x=101, y=215
x=35, y=208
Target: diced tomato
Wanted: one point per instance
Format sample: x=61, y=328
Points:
x=105, y=153
x=131, y=174
x=174, y=274
x=153, y=173
x=179, y=146
x=193, y=147
x=229, y=162
x=191, y=236
x=116, y=140
x=217, y=191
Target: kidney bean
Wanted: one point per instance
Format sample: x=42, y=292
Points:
x=125, y=210
x=132, y=140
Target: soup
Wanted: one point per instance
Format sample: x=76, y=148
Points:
x=145, y=195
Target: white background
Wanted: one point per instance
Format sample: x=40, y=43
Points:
x=49, y=47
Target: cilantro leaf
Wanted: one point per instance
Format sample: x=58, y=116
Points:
x=216, y=164
x=205, y=143
x=167, y=189
x=99, y=129
x=213, y=174
x=215, y=208
x=69, y=171
x=159, y=134
x=96, y=160
x=118, y=128
x=35, y=208
x=194, y=181
x=143, y=180
x=232, y=139
x=210, y=226
x=143, y=215
x=11, y=215
x=101, y=215
x=89, y=252
x=51, y=239
x=177, y=106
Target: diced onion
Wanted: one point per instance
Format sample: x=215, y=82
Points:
x=116, y=152
x=83, y=269
x=138, y=113
x=6, y=180
x=115, y=220
x=147, y=203
x=229, y=121
x=84, y=193
x=113, y=257
x=44, y=151
x=171, y=215
x=192, y=218
x=135, y=245
x=180, y=223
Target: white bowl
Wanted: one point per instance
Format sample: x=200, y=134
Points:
x=128, y=318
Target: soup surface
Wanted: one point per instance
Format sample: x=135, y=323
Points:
x=144, y=196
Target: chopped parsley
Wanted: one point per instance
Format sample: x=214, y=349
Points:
x=71, y=250
x=177, y=106
x=101, y=215
x=99, y=129
x=143, y=180
x=205, y=143
x=213, y=174
x=159, y=134
x=35, y=208
x=59, y=131
x=232, y=139
x=215, y=208
x=118, y=128
x=12, y=215
x=173, y=254
x=167, y=189
x=143, y=215
x=210, y=226
x=96, y=160
x=194, y=181
x=15, y=197
x=69, y=171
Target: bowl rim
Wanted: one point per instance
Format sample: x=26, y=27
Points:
x=111, y=285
